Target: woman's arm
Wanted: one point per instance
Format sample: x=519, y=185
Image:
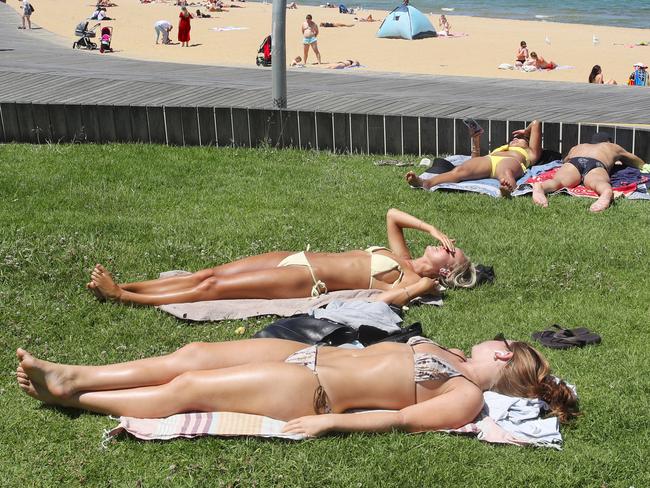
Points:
x=534, y=135
x=403, y=295
x=396, y=221
x=450, y=410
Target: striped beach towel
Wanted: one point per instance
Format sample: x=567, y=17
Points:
x=496, y=424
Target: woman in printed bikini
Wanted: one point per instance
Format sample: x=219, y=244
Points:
x=426, y=386
x=304, y=274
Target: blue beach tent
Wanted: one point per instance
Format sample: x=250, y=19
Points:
x=406, y=22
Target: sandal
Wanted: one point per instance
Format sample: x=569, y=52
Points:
x=473, y=126
x=562, y=338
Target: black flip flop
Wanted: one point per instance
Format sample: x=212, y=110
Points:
x=562, y=338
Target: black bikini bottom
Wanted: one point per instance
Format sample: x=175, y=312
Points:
x=585, y=165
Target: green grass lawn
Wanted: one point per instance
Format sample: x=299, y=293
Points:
x=144, y=209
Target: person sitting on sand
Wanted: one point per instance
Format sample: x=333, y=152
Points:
x=591, y=165
x=539, y=62
x=522, y=54
x=304, y=274
x=100, y=14
x=444, y=25
x=596, y=76
x=365, y=19
x=106, y=3
x=292, y=6
x=506, y=163
x=297, y=62
x=348, y=63
x=639, y=76
x=309, y=31
x=414, y=387
x=335, y=24
x=201, y=15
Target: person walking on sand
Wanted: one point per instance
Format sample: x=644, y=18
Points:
x=184, y=27
x=591, y=165
x=27, y=13
x=162, y=28
x=309, y=31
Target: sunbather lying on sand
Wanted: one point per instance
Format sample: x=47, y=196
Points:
x=428, y=386
x=348, y=63
x=304, y=274
x=335, y=24
x=505, y=163
x=589, y=164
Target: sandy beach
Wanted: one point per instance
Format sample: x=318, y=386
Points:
x=483, y=45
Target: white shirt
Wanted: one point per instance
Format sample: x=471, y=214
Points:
x=163, y=23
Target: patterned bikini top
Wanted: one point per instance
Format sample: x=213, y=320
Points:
x=429, y=367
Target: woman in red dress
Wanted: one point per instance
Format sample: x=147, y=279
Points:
x=184, y=27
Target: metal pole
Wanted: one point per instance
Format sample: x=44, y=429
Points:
x=279, y=54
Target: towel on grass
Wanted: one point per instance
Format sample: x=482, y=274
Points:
x=626, y=182
x=503, y=420
x=215, y=310
x=485, y=186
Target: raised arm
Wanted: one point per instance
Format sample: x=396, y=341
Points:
x=448, y=411
x=534, y=135
x=397, y=221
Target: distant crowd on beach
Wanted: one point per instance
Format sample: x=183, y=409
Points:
x=531, y=60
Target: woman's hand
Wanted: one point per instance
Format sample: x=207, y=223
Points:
x=448, y=243
x=310, y=425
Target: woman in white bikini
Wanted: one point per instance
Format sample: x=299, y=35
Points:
x=426, y=386
x=304, y=274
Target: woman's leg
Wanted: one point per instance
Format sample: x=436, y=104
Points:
x=472, y=169
x=284, y=282
x=187, y=282
x=507, y=172
x=65, y=380
x=279, y=390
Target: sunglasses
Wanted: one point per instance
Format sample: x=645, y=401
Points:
x=501, y=338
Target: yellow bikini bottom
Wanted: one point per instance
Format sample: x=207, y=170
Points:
x=495, y=160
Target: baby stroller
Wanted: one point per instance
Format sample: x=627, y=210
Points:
x=264, y=53
x=105, y=40
x=85, y=34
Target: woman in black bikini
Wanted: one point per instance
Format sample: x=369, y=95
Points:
x=427, y=386
x=303, y=274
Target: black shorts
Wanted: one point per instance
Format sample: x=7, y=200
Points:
x=585, y=165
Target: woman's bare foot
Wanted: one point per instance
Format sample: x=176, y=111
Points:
x=48, y=382
x=416, y=182
x=539, y=197
x=104, y=284
x=507, y=185
x=93, y=289
x=603, y=201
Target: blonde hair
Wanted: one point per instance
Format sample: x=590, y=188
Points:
x=528, y=375
x=462, y=276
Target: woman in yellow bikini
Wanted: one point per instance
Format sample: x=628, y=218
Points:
x=506, y=163
x=305, y=274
